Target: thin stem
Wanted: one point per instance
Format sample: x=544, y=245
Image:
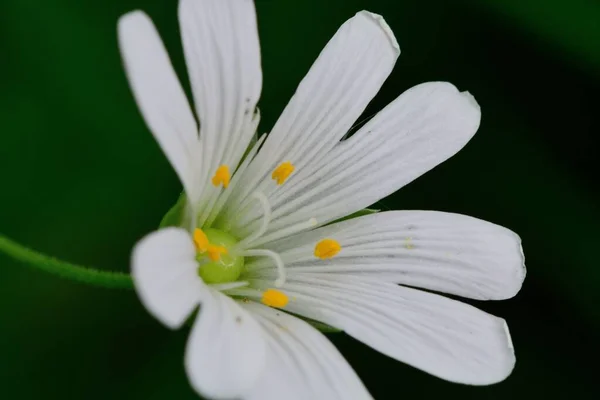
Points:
x=90, y=276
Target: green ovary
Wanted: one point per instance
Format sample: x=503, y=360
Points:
x=228, y=268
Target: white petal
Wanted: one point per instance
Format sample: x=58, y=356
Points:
x=439, y=251
x=225, y=353
x=422, y=128
x=159, y=95
x=345, y=77
x=220, y=41
x=301, y=362
x=444, y=337
x=165, y=275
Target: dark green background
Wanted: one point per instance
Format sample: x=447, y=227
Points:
x=82, y=179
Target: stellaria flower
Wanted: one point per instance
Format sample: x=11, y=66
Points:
x=258, y=247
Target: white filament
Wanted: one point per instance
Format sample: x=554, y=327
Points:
x=264, y=202
x=274, y=256
x=282, y=233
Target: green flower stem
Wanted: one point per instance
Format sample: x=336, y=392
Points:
x=77, y=273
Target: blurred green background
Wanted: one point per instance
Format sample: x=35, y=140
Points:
x=82, y=179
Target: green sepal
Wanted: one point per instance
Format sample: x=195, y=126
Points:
x=253, y=141
x=322, y=327
x=359, y=213
x=176, y=214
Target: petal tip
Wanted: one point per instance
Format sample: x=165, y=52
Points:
x=508, y=337
x=519, y=270
x=475, y=108
x=470, y=99
x=506, y=363
x=132, y=17
x=512, y=359
x=523, y=269
x=515, y=271
x=384, y=27
x=503, y=362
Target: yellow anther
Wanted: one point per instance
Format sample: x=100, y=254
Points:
x=200, y=240
x=327, y=248
x=408, y=243
x=281, y=173
x=214, y=252
x=222, y=176
x=274, y=298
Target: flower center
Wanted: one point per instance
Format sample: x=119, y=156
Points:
x=216, y=263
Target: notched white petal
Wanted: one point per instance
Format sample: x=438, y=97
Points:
x=302, y=363
x=384, y=26
x=159, y=95
x=222, y=52
x=446, y=338
x=164, y=273
x=439, y=251
x=420, y=129
x=340, y=84
x=225, y=353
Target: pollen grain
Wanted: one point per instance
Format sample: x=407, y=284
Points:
x=200, y=240
x=282, y=172
x=214, y=252
x=222, y=176
x=327, y=248
x=275, y=298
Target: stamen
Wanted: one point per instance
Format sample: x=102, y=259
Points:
x=276, y=258
x=222, y=199
x=214, y=252
x=264, y=202
x=281, y=233
x=282, y=172
x=222, y=176
x=200, y=240
x=274, y=298
x=327, y=248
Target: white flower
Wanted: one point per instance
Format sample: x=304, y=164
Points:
x=257, y=243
